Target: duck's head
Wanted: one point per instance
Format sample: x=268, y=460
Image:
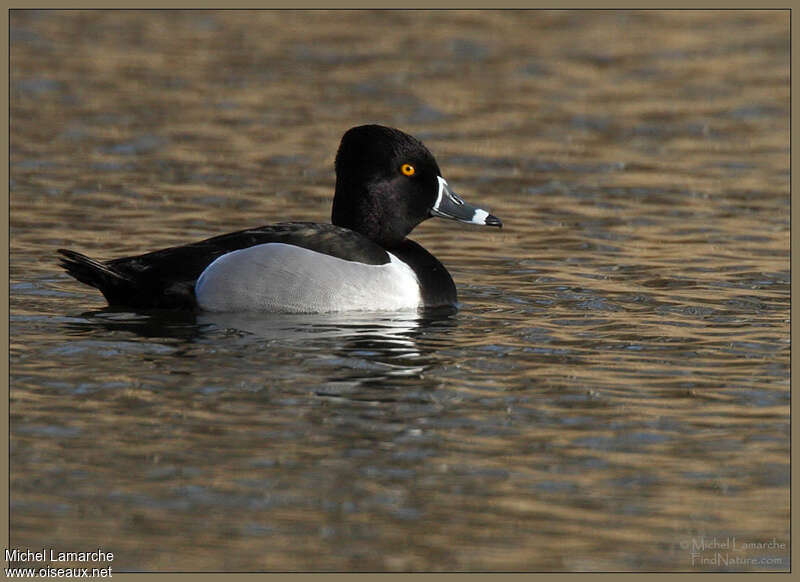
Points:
x=387, y=182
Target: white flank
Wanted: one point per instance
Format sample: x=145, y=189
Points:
x=277, y=277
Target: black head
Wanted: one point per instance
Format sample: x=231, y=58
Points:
x=387, y=182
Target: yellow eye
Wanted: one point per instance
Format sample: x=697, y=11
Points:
x=407, y=169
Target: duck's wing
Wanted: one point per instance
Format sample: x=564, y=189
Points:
x=166, y=278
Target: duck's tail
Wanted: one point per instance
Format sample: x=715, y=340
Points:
x=92, y=272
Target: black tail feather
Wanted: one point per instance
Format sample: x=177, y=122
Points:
x=92, y=272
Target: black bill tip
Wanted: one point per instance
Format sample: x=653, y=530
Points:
x=492, y=220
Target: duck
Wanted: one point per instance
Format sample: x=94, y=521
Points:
x=387, y=183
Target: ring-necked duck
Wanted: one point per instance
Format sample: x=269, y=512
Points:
x=387, y=182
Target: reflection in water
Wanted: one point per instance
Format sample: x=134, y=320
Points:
x=384, y=344
x=392, y=327
x=375, y=347
x=165, y=324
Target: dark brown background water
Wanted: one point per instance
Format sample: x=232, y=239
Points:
x=613, y=391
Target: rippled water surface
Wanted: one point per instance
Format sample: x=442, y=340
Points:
x=612, y=393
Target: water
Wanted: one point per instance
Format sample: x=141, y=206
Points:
x=612, y=394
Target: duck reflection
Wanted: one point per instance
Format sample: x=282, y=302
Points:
x=362, y=349
x=391, y=328
x=367, y=348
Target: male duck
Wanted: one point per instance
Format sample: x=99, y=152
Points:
x=387, y=182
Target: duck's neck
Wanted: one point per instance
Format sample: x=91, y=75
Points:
x=356, y=208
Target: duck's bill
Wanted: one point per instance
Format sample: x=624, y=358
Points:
x=449, y=205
